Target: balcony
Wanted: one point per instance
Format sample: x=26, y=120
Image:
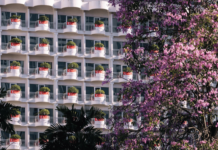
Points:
x=41, y=97
x=62, y=120
x=66, y=27
x=90, y=27
x=91, y=52
x=11, y=24
x=10, y=48
x=39, y=26
x=40, y=121
x=12, y=71
x=120, y=32
x=12, y=145
x=117, y=101
x=64, y=51
x=17, y=120
x=123, y=77
x=34, y=143
x=40, y=73
x=130, y=125
x=12, y=96
x=65, y=74
x=37, y=49
x=71, y=3
x=118, y=53
x=95, y=76
x=65, y=98
x=92, y=99
x=99, y=123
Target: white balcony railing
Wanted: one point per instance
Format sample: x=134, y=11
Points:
x=7, y=47
x=7, y=22
x=35, y=47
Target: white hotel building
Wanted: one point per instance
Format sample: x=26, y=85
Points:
x=85, y=35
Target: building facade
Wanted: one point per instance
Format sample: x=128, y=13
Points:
x=58, y=32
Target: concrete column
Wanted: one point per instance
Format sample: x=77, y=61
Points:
x=110, y=16
x=111, y=61
x=27, y=137
x=0, y=16
x=27, y=113
x=55, y=45
x=0, y=38
x=55, y=16
x=83, y=21
x=111, y=91
x=84, y=91
x=55, y=113
x=83, y=69
x=28, y=18
x=55, y=90
x=27, y=40
x=55, y=70
x=111, y=46
x=26, y=65
x=0, y=81
x=83, y=45
x=0, y=60
x=27, y=89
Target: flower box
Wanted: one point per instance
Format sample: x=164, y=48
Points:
x=15, y=22
x=15, y=94
x=71, y=49
x=44, y=95
x=72, y=25
x=127, y=75
x=99, y=27
x=43, y=119
x=43, y=47
x=15, y=118
x=43, y=71
x=72, y=72
x=15, y=46
x=72, y=96
x=99, y=97
x=155, y=51
x=99, y=121
x=99, y=50
x=99, y=74
x=43, y=24
x=15, y=70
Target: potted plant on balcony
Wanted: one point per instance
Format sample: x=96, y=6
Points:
x=99, y=25
x=71, y=48
x=127, y=73
x=125, y=50
x=99, y=119
x=43, y=115
x=99, y=48
x=15, y=92
x=43, y=45
x=16, y=118
x=102, y=140
x=154, y=49
x=72, y=23
x=127, y=24
x=43, y=21
x=44, y=68
x=16, y=43
x=72, y=70
x=15, y=68
x=44, y=93
x=15, y=140
x=72, y=93
x=72, y=139
x=99, y=72
x=15, y=20
x=99, y=95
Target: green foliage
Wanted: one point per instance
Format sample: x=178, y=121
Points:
x=17, y=110
x=127, y=23
x=99, y=91
x=72, y=20
x=16, y=40
x=71, y=43
x=127, y=69
x=15, y=136
x=73, y=66
x=44, y=41
x=154, y=47
x=43, y=18
x=73, y=90
x=15, y=63
x=15, y=87
x=45, y=64
x=127, y=46
x=15, y=17
x=99, y=45
x=98, y=22
x=99, y=67
x=44, y=112
x=44, y=89
x=100, y=115
x=72, y=138
x=103, y=139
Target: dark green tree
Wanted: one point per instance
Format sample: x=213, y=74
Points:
x=77, y=134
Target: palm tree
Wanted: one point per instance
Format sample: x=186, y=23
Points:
x=77, y=134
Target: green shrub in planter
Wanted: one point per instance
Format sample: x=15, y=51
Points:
x=98, y=22
x=15, y=87
x=73, y=90
x=127, y=69
x=43, y=18
x=99, y=67
x=15, y=63
x=100, y=115
x=154, y=47
x=16, y=40
x=17, y=110
x=44, y=112
x=15, y=17
x=44, y=41
x=99, y=45
x=99, y=91
x=102, y=139
x=72, y=20
x=73, y=66
x=127, y=24
x=45, y=65
x=71, y=43
x=127, y=46
x=15, y=136
x=44, y=89
x=72, y=138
